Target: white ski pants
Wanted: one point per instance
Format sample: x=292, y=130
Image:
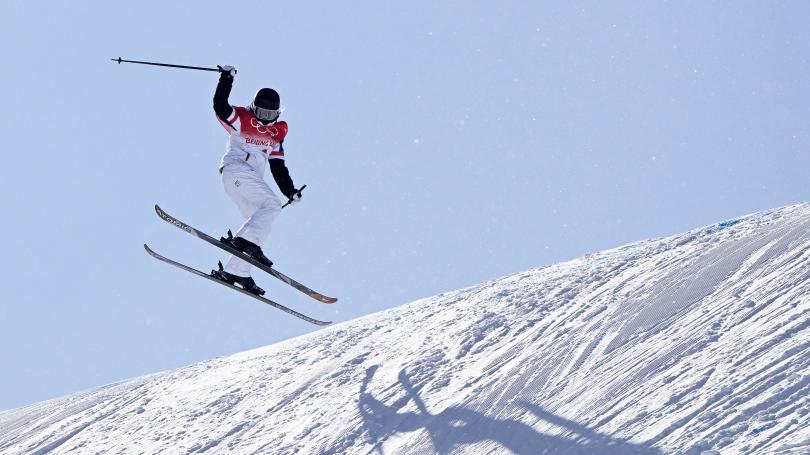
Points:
x=257, y=202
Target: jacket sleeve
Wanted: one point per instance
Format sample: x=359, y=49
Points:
x=221, y=105
x=282, y=177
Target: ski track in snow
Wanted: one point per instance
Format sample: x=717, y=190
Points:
x=692, y=344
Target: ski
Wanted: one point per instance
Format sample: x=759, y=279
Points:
x=235, y=288
x=213, y=241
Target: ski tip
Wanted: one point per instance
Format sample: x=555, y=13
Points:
x=161, y=213
x=149, y=251
x=323, y=298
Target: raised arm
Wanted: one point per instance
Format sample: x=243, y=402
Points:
x=221, y=105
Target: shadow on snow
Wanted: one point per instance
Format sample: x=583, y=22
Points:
x=456, y=426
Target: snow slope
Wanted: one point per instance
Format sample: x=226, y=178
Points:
x=697, y=343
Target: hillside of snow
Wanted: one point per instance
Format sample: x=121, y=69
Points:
x=696, y=344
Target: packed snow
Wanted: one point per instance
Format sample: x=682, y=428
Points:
x=695, y=344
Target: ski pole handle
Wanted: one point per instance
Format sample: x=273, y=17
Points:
x=290, y=201
x=168, y=65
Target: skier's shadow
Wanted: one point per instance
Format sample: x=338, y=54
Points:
x=455, y=427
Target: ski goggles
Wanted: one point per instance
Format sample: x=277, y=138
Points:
x=267, y=115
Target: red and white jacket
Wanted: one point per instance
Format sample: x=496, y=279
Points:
x=252, y=142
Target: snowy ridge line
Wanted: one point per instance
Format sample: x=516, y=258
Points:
x=695, y=343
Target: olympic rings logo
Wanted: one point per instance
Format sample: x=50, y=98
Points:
x=262, y=129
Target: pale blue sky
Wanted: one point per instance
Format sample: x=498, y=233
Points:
x=443, y=144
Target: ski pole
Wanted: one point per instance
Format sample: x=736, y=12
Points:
x=120, y=60
x=290, y=201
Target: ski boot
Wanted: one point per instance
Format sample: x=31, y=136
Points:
x=247, y=247
x=245, y=282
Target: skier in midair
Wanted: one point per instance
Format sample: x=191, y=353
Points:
x=256, y=137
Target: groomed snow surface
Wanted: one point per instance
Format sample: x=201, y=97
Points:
x=695, y=344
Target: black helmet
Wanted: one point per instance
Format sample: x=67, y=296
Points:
x=266, y=105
